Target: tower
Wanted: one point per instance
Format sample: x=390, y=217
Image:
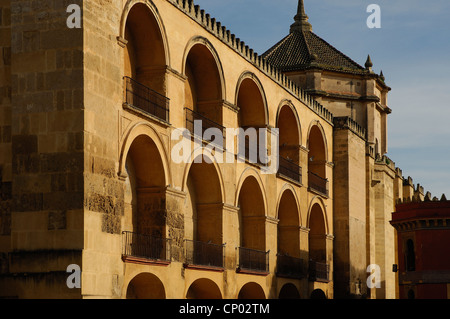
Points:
x=366, y=180
x=336, y=81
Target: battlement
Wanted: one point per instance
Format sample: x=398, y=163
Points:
x=408, y=181
x=417, y=193
x=239, y=46
x=385, y=160
x=346, y=122
x=416, y=199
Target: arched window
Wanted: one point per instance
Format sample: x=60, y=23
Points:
x=146, y=286
x=252, y=290
x=317, y=159
x=145, y=63
x=203, y=218
x=144, y=223
x=289, y=262
x=203, y=88
x=289, y=144
x=252, y=228
x=318, y=267
x=204, y=289
x=252, y=117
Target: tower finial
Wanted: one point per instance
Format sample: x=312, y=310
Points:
x=369, y=64
x=301, y=19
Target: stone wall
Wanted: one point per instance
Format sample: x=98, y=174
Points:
x=349, y=213
x=41, y=120
x=5, y=121
x=70, y=137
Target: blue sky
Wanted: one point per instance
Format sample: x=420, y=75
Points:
x=412, y=48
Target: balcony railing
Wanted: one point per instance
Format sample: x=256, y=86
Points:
x=318, y=271
x=292, y=267
x=206, y=123
x=318, y=183
x=145, y=99
x=204, y=254
x=145, y=246
x=252, y=154
x=253, y=260
x=289, y=169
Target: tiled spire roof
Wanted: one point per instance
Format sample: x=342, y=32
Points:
x=302, y=49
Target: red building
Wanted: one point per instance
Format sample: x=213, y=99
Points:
x=423, y=239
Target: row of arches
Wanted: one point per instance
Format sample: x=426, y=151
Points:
x=149, y=286
x=147, y=56
x=146, y=179
x=144, y=162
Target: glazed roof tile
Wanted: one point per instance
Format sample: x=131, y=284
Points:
x=303, y=49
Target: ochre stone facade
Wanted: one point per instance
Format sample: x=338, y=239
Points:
x=88, y=174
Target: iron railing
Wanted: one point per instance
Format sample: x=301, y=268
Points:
x=251, y=154
x=206, y=123
x=289, y=169
x=143, y=98
x=289, y=266
x=253, y=260
x=318, y=183
x=145, y=246
x=204, y=254
x=318, y=271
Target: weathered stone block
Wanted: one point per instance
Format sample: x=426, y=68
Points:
x=59, y=183
x=57, y=220
x=5, y=134
x=27, y=202
x=61, y=38
x=25, y=164
x=7, y=56
x=111, y=224
x=75, y=141
x=64, y=79
x=63, y=200
x=24, y=144
x=62, y=162
x=104, y=204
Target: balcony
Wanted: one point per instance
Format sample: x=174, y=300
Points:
x=253, y=261
x=251, y=152
x=145, y=248
x=206, y=123
x=318, y=271
x=290, y=267
x=204, y=255
x=142, y=98
x=318, y=184
x=290, y=170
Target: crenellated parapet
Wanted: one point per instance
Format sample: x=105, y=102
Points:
x=427, y=198
x=239, y=46
x=416, y=193
x=408, y=181
x=346, y=122
x=386, y=161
